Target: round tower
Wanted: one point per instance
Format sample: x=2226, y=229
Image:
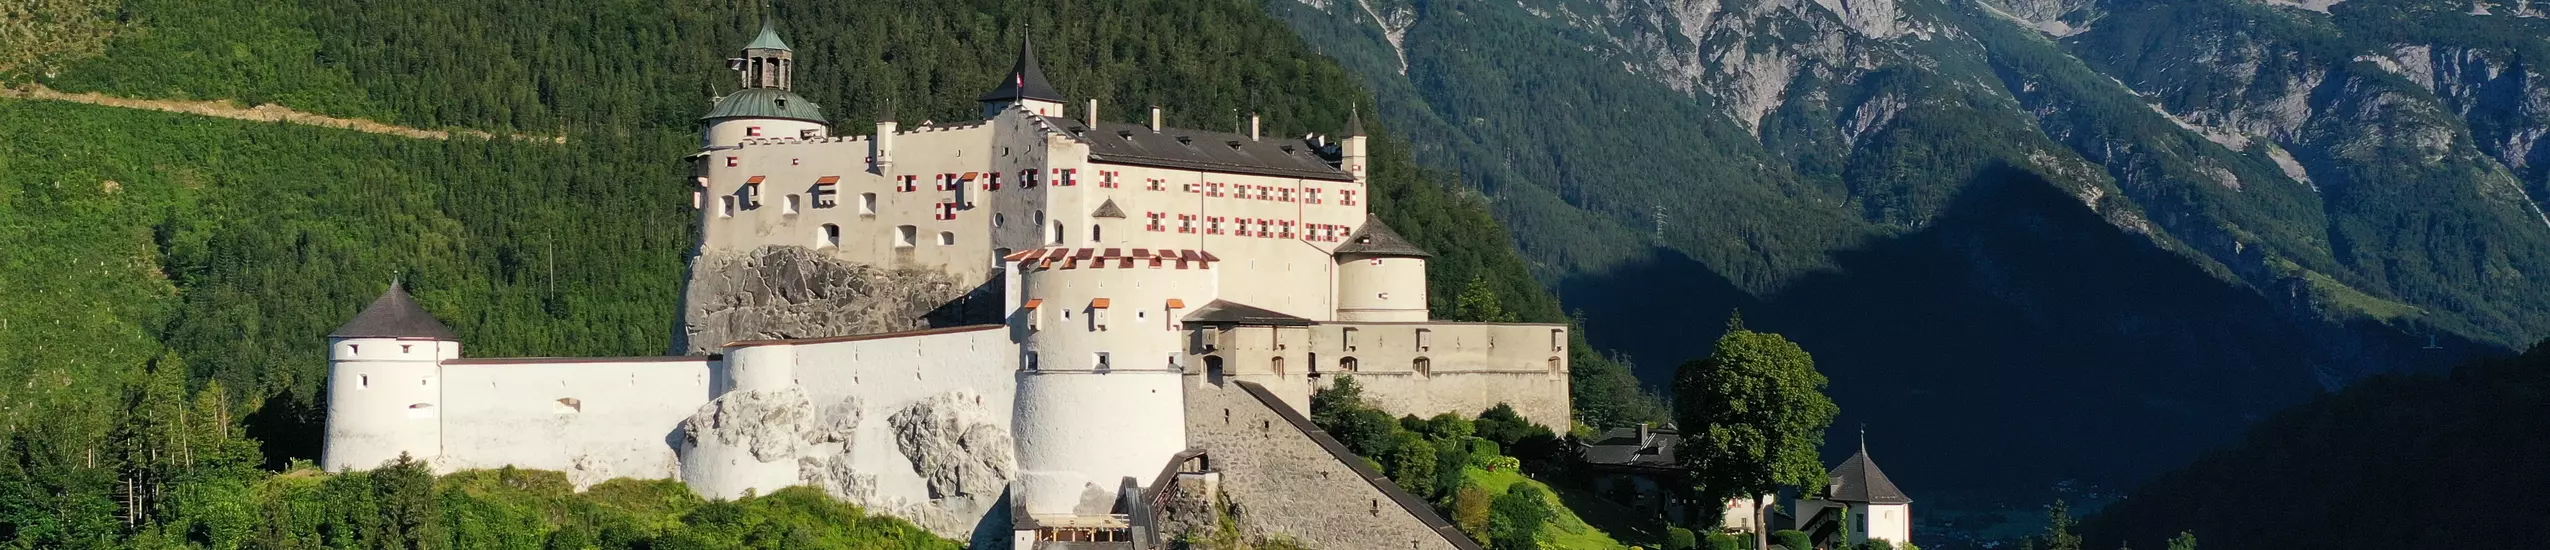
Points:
x=1380, y=276
x=765, y=107
x=1100, y=381
x=385, y=396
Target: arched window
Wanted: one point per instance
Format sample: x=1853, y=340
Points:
x=1277, y=364
x=1348, y=364
x=830, y=235
x=1057, y=236
x=1095, y=235
x=1213, y=368
x=1423, y=366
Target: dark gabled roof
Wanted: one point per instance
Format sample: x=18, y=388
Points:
x=766, y=103
x=1135, y=144
x=1623, y=447
x=769, y=38
x=1226, y=311
x=1376, y=239
x=1108, y=210
x=394, y=315
x=1859, y=480
x=1025, y=80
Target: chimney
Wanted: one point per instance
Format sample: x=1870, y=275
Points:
x=1092, y=113
x=1155, y=119
x=1642, y=434
x=1252, y=126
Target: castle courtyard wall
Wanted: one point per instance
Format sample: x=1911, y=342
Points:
x=594, y=419
x=1470, y=367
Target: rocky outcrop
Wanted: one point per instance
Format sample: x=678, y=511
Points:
x=776, y=292
x=769, y=422
x=956, y=444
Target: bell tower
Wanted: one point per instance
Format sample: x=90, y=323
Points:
x=767, y=61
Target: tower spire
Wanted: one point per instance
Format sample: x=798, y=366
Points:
x=1025, y=85
x=1355, y=121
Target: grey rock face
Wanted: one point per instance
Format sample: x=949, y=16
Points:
x=957, y=445
x=779, y=292
x=768, y=422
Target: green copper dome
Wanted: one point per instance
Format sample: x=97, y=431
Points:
x=766, y=103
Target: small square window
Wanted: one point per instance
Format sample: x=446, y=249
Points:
x=947, y=238
x=1102, y=361
x=868, y=203
x=726, y=206
x=904, y=234
x=792, y=204
x=752, y=131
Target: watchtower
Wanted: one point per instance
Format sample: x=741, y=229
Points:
x=384, y=393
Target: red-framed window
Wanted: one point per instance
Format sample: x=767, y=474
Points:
x=1155, y=225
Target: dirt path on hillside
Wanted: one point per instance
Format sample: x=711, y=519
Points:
x=262, y=113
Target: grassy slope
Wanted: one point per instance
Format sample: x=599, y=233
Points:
x=1566, y=532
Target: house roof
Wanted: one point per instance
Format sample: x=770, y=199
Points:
x=1859, y=480
x=1623, y=447
x=1376, y=239
x=1108, y=210
x=1226, y=311
x=765, y=103
x=769, y=38
x=394, y=315
x=1025, y=81
x=1136, y=144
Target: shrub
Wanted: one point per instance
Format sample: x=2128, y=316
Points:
x=1450, y=426
x=1677, y=538
x=1727, y=541
x=1412, y=464
x=1451, y=462
x=1516, y=519
x=1470, y=512
x=1792, y=539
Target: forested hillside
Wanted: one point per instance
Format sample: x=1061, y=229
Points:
x=2124, y=228
x=231, y=248
x=2352, y=470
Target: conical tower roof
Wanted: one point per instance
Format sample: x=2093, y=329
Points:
x=769, y=39
x=1355, y=122
x=394, y=315
x=1025, y=81
x=1376, y=239
x=1859, y=480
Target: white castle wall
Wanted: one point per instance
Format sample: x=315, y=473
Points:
x=594, y=419
x=728, y=131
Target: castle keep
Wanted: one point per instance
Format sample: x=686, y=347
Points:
x=1026, y=327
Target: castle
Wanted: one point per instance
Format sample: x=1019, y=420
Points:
x=1166, y=298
